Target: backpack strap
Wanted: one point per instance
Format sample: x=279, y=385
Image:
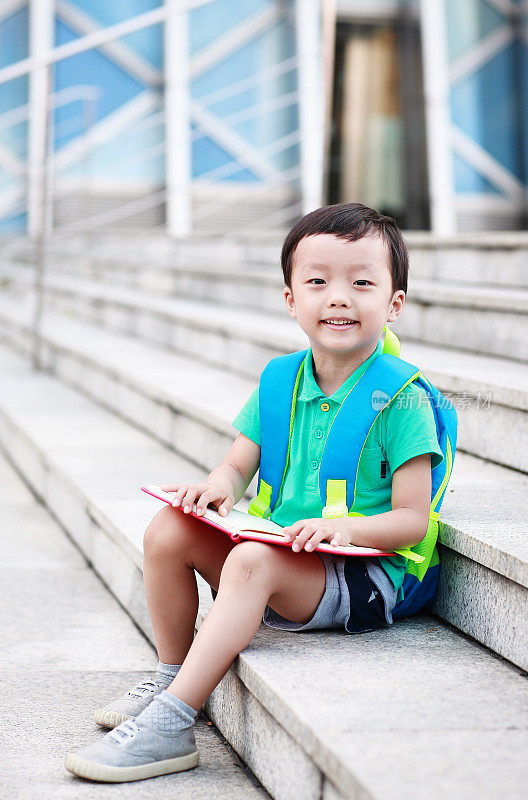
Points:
x=277, y=400
x=283, y=373
x=349, y=431
x=374, y=390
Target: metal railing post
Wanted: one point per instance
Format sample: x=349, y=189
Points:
x=437, y=116
x=311, y=101
x=177, y=119
x=39, y=220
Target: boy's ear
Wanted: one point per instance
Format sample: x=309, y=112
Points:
x=397, y=304
x=290, y=304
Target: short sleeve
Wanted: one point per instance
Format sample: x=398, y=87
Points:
x=247, y=421
x=410, y=428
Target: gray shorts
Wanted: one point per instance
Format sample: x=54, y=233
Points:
x=358, y=600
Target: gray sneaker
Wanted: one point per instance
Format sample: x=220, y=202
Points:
x=128, y=705
x=132, y=752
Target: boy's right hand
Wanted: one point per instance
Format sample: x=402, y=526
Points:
x=202, y=494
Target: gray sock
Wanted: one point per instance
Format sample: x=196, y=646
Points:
x=165, y=673
x=167, y=714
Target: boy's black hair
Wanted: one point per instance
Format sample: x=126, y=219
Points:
x=351, y=221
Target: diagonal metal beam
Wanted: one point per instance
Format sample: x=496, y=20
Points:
x=117, y=51
x=215, y=175
x=482, y=52
x=233, y=39
x=487, y=165
x=505, y=6
x=12, y=200
x=91, y=40
x=10, y=162
x=9, y=7
x=245, y=154
x=111, y=126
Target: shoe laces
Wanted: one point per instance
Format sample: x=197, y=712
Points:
x=127, y=730
x=143, y=688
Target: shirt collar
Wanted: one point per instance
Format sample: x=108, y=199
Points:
x=310, y=390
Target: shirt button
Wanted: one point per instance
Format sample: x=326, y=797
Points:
x=318, y=434
x=313, y=464
x=325, y=407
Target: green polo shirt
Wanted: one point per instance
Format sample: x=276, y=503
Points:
x=403, y=430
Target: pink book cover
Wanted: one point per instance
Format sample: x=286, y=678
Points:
x=239, y=525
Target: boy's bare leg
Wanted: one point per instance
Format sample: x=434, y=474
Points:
x=174, y=545
x=254, y=575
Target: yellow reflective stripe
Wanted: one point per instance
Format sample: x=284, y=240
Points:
x=335, y=499
x=449, y=458
x=408, y=553
x=391, y=345
x=425, y=548
x=260, y=505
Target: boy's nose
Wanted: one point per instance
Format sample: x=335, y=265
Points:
x=339, y=296
x=339, y=299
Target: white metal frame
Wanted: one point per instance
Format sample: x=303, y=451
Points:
x=436, y=95
x=40, y=42
x=179, y=109
x=483, y=162
x=443, y=137
x=311, y=101
x=177, y=120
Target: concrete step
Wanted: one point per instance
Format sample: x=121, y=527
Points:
x=494, y=319
x=481, y=259
x=484, y=259
x=489, y=393
x=68, y=648
x=100, y=252
x=419, y=695
x=484, y=585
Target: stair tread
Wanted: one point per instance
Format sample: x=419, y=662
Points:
x=439, y=291
x=433, y=691
x=496, y=540
x=457, y=371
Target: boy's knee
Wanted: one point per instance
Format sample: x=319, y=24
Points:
x=249, y=559
x=165, y=531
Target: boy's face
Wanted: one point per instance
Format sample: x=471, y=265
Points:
x=333, y=279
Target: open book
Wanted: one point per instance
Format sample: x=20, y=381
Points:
x=238, y=525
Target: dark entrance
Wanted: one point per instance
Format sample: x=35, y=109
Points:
x=377, y=145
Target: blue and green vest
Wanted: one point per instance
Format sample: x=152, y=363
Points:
x=375, y=390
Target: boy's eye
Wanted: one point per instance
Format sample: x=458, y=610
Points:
x=361, y=280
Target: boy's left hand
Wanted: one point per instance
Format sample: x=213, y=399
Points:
x=308, y=533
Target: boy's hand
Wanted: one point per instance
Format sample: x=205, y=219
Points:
x=308, y=533
x=202, y=494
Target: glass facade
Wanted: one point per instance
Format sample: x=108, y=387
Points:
x=108, y=126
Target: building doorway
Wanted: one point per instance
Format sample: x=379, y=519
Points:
x=377, y=147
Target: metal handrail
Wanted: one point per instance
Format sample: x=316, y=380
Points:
x=61, y=98
x=95, y=39
x=251, y=112
x=288, y=65
x=271, y=149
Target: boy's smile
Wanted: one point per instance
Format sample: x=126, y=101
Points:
x=341, y=295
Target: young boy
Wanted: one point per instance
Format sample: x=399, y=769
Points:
x=345, y=272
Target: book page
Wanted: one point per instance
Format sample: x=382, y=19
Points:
x=238, y=521
x=235, y=522
x=242, y=523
